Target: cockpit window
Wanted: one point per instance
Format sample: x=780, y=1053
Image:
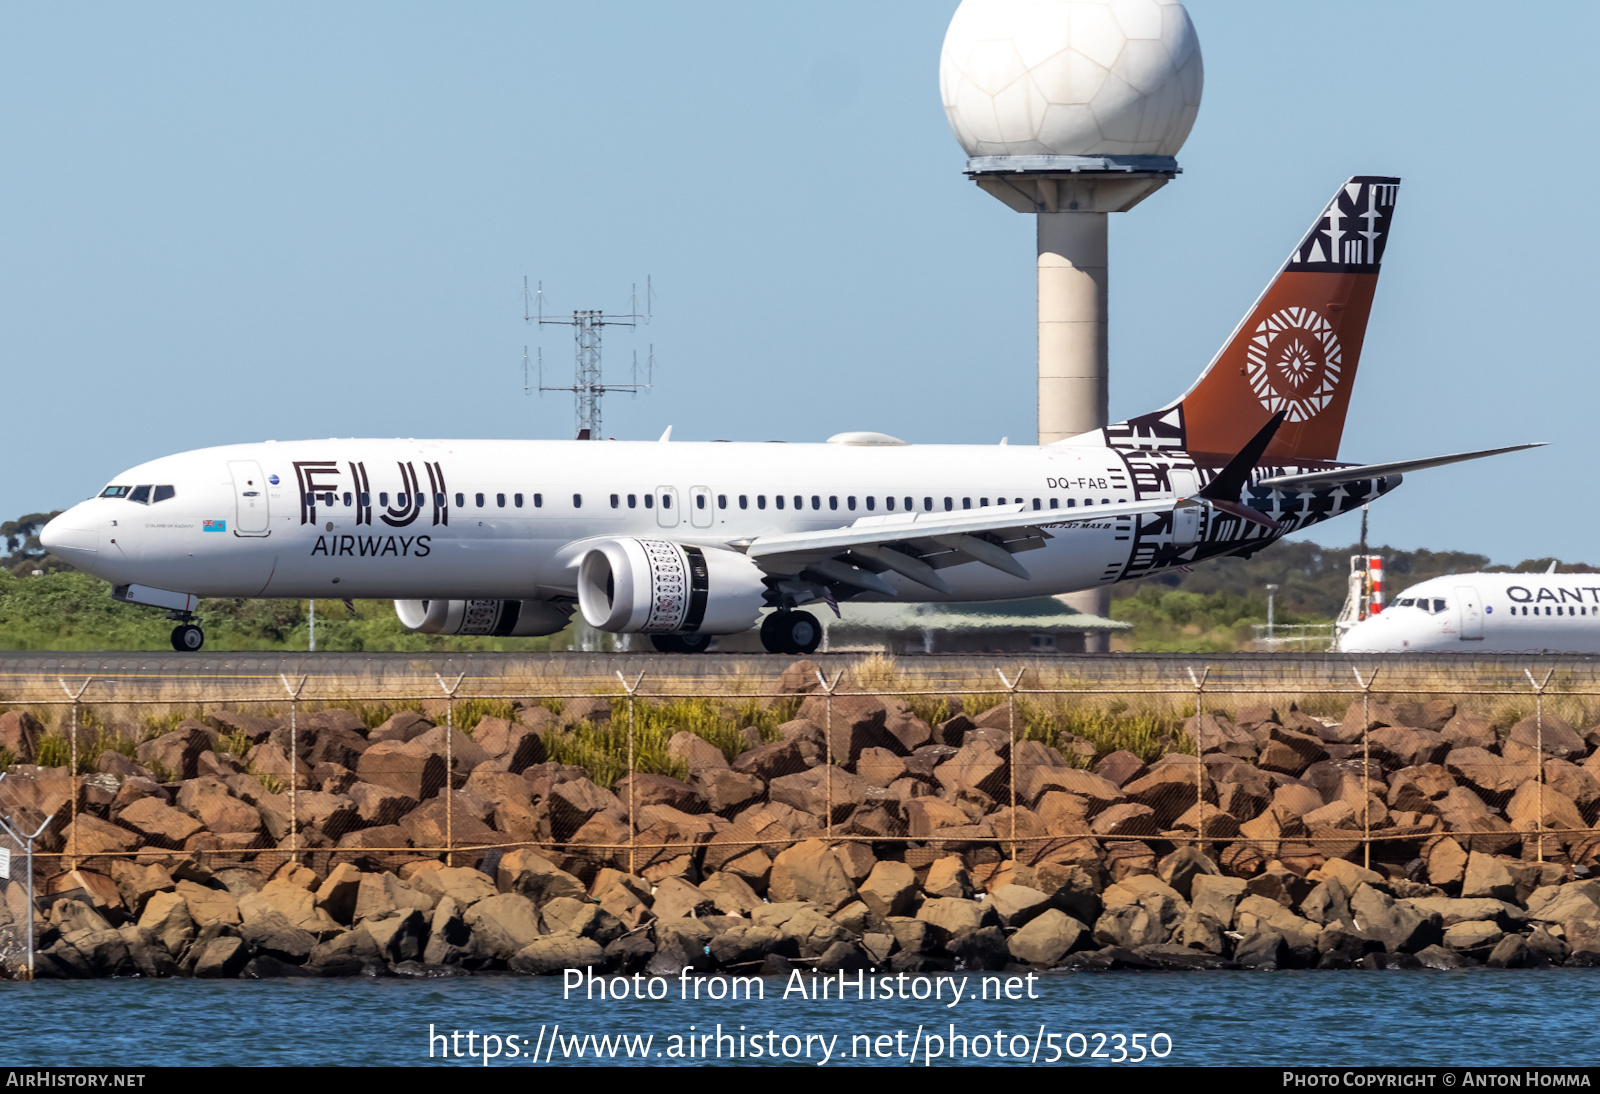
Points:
x=115, y=491
x=1438, y=605
x=1407, y=602
x=141, y=494
x=162, y=494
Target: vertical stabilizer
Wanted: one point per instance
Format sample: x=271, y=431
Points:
x=1297, y=349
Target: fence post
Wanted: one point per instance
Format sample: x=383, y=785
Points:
x=633, y=789
x=449, y=762
x=294, y=764
x=1538, y=758
x=77, y=780
x=1366, y=765
x=827, y=743
x=1199, y=764
x=1011, y=726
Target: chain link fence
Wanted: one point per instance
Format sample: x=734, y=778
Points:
x=154, y=781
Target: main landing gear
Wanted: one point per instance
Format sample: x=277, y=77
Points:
x=187, y=638
x=681, y=643
x=791, y=632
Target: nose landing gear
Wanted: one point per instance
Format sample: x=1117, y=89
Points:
x=187, y=638
x=791, y=632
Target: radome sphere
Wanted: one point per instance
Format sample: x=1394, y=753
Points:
x=1071, y=77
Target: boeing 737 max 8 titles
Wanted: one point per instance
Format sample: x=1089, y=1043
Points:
x=684, y=541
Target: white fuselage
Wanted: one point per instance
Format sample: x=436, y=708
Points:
x=509, y=519
x=1486, y=613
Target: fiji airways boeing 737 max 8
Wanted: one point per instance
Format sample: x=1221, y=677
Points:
x=684, y=541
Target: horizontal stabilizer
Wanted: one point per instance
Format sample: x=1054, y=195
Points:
x=1339, y=475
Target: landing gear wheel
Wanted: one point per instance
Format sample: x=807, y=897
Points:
x=791, y=632
x=681, y=643
x=187, y=638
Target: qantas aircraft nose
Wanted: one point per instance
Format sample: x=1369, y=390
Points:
x=73, y=537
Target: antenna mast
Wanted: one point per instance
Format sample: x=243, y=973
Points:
x=588, y=382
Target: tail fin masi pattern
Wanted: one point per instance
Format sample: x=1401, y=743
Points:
x=1296, y=350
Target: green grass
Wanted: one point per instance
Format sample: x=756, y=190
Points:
x=603, y=750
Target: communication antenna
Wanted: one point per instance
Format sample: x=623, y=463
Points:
x=588, y=382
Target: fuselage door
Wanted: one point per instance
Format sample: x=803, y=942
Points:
x=700, y=512
x=667, y=506
x=1471, y=609
x=1185, y=521
x=250, y=493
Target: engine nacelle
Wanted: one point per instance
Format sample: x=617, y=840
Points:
x=503, y=618
x=656, y=586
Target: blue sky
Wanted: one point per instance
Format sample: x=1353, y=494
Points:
x=234, y=222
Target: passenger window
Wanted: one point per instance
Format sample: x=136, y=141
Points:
x=1088, y=501
x=420, y=500
x=816, y=501
x=577, y=501
x=700, y=501
x=461, y=501
x=500, y=501
x=799, y=502
x=983, y=503
x=1052, y=504
x=1036, y=504
x=649, y=501
x=966, y=503
x=949, y=504
x=888, y=503
x=633, y=501
x=616, y=501
x=778, y=500
x=438, y=499
x=477, y=500
x=761, y=501
x=327, y=499
x=927, y=504
x=516, y=499
x=833, y=501
x=538, y=501
x=162, y=493
x=383, y=499
x=366, y=500
x=666, y=501
x=722, y=501
x=871, y=504
x=744, y=501
x=850, y=503
x=349, y=498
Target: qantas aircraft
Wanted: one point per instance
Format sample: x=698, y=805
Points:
x=1486, y=613
x=684, y=541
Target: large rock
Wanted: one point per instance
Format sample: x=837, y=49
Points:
x=528, y=873
x=19, y=734
x=890, y=889
x=295, y=905
x=412, y=772
x=1401, y=927
x=503, y=924
x=1048, y=938
x=556, y=953
x=158, y=824
x=811, y=871
x=811, y=791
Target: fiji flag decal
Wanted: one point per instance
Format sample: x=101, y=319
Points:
x=213, y=526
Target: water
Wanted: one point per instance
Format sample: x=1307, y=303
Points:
x=1480, y=1017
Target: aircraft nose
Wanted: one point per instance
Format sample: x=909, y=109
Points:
x=73, y=535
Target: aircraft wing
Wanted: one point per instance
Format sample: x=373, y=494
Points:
x=1340, y=475
x=917, y=545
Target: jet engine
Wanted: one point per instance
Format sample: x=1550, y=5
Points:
x=659, y=587
x=504, y=618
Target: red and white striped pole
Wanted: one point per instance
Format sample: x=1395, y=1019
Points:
x=1375, y=575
